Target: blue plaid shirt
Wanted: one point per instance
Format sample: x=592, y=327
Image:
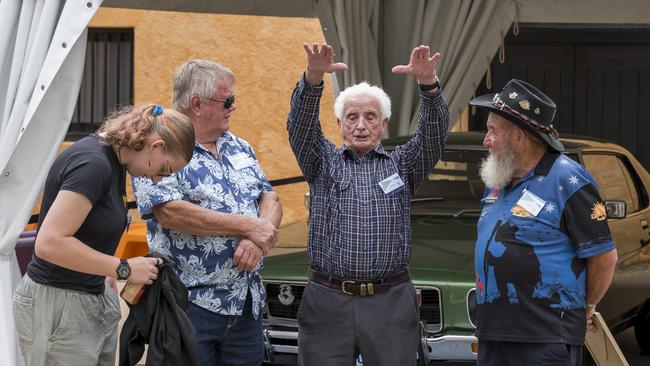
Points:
x=356, y=231
x=205, y=264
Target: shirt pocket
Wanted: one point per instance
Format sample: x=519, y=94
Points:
x=338, y=198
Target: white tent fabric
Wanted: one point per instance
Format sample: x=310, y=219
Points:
x=359, y=22
x=42, y=51
x=466, y=32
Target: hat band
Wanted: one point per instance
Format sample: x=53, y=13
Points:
x=531, y=122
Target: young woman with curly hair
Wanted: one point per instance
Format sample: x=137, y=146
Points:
x=65, y=314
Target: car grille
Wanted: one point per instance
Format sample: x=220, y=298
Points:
x=276, y=308
x=430, y=312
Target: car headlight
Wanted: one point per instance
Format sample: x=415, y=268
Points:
x=471, y=306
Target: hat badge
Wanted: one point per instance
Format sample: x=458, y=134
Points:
x=512, y=95
x=525, y=104
x=536, y=111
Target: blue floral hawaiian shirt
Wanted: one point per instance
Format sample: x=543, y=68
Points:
x=230, y=184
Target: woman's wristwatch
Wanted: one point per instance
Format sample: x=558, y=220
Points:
x=123, y=270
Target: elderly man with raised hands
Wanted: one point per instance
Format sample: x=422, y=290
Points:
x=360, y=298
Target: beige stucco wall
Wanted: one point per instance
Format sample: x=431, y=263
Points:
x=266, y=55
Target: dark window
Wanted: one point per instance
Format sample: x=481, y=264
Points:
x=107, y=79
x=599, y=77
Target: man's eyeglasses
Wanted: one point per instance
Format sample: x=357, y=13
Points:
x=227, y=103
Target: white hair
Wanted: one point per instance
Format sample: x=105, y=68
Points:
x=198, y=77
x=363, y=89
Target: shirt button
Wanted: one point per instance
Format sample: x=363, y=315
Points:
x=365, y=225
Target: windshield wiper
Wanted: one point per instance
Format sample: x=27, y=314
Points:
x=427, y=199
x=466, y=210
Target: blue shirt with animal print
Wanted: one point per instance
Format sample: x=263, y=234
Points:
x=533, y=241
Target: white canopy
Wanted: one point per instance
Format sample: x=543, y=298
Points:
x=467, y=33
x=42, y=51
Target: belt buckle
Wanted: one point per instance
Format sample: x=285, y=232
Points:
x=343, y=287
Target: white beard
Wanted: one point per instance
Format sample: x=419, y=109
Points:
x=497, y=169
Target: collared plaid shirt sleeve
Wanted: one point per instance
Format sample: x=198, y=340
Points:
x=422, y=152
x=305, y=135
x=358, y=231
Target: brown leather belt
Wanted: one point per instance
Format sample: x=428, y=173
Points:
x=359, y=288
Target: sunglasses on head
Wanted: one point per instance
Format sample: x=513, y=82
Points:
x=227, y=103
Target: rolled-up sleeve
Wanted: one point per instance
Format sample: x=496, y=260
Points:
x=149, y=194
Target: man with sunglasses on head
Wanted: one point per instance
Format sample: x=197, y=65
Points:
x=215, y=220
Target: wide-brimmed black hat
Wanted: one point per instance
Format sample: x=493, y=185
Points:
x=525, y=106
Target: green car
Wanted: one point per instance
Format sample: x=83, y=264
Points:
x=444, y=213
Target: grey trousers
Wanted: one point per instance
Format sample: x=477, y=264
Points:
x=335, y=328
x=64, y=327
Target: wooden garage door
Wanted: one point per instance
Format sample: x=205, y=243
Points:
x=599, y=78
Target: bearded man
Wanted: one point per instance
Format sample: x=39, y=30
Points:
x=543, y=259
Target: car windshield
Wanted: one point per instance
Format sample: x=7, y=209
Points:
x=453, y=188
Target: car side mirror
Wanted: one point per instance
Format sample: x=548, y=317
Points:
x=616, y=209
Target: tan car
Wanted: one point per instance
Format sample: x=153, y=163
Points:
x=621, y=177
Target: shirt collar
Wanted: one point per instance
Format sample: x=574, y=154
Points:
x=226, y=137
x=378, y=149
x=545, y=164
x=542, y=168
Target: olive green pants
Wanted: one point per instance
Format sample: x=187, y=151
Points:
x=65, y=327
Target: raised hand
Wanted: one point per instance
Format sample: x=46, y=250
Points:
x=422, y=65
x=320, y=61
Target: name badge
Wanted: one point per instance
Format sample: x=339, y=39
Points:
x=241, y=161
x=391, y=184
x=531, y=203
